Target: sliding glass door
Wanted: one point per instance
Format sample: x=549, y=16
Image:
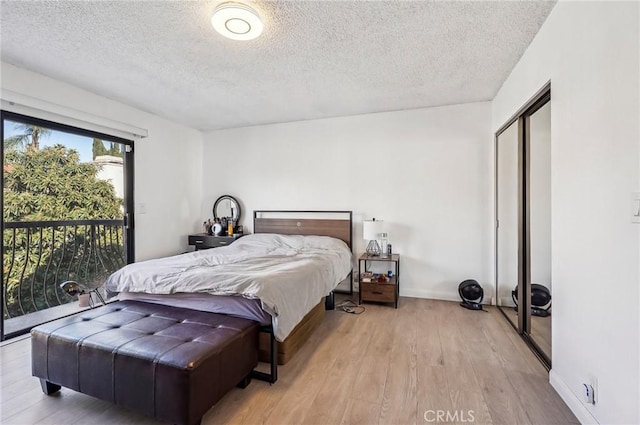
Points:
x=66, y=202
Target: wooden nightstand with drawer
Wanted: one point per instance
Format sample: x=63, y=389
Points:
x=384, y=292
x=204, y=241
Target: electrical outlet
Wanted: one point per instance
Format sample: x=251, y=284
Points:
x=590, y=390
x=635, y=207
x=587, y=394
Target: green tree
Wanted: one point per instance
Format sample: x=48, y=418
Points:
x=29, y=138
x=98, y=148
x=52, y=184
x=115, y=149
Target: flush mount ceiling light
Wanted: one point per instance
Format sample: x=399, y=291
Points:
x=237, y=21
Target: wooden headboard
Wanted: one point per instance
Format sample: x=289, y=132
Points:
x=337, y=224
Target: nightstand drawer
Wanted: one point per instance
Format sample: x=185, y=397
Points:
x=222, y=242
x=208, y=241
x=382, y=292
x=197, y=240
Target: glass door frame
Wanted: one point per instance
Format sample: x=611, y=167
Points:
x=523, y=118
x=128, y=201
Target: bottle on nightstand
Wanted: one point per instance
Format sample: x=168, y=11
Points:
x=384, y=243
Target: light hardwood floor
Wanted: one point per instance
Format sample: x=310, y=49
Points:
x=385, y=366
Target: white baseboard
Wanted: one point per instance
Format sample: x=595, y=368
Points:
x=422, y=293
x=574, y=403
x=506, y=302
x=433, y=295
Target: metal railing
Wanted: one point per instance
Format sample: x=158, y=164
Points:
x=38, y=256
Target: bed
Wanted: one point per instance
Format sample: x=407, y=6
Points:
x=163, y=281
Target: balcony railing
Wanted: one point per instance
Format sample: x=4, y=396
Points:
x=38, y=256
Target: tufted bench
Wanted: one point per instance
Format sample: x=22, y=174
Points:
x=167, y=362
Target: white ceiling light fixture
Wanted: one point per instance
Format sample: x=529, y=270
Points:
x=237, y=21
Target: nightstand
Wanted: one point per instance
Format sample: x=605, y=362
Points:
x=204, y=241
x=384, y=292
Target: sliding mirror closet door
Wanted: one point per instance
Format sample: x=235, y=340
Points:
x=507, y=212
x=523, y=222
x=538, y=139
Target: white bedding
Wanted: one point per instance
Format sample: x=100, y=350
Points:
x=289, y=274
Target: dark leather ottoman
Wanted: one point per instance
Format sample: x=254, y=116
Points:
x=167, y=362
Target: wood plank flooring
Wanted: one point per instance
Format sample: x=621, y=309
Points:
x=385, y=366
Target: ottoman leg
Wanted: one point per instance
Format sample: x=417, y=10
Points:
x=49, y=388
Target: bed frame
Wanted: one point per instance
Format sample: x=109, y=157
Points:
x=337, y=224
x=286, y=222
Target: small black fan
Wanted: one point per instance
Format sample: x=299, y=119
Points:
x=540, y=297
x=471, y=293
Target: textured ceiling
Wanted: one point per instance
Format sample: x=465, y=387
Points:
x=315, y=59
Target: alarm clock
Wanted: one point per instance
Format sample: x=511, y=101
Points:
x=217, y=229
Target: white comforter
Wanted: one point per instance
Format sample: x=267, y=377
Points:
x=289, y=274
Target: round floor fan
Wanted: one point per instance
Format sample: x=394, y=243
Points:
x=471, y=293
x=540, y=297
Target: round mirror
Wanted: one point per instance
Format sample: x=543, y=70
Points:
x=227, y=206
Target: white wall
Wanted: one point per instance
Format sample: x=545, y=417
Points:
x=426, y=172
x=168, y=163
x=111, y=169
x=590, y=52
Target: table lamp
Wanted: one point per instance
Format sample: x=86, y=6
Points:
x=371, y=230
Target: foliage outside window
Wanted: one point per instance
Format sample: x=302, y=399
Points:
x=52, y=184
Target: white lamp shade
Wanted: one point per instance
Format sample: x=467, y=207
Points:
x=371, y=229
